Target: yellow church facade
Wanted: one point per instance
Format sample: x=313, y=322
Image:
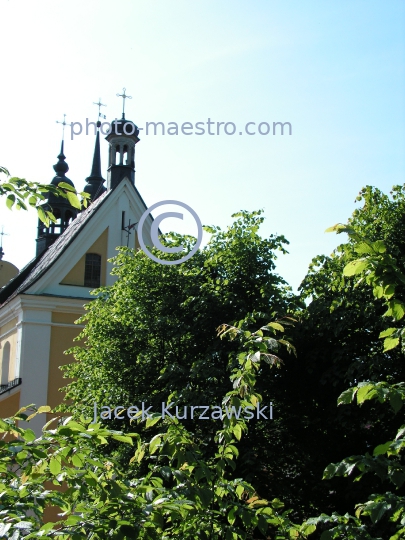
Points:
x=39, y=306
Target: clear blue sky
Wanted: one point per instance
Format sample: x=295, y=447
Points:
x=334, y=70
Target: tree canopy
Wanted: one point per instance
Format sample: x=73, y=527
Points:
x=178, y=333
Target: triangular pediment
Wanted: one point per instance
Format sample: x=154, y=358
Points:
x=97, y=230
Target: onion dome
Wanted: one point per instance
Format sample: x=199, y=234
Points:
x=61, y=168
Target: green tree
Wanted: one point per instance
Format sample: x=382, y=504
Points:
x=151, y=336
x=380, y=514
x=338, y=345
x=182, y=495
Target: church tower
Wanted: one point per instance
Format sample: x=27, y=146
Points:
x=122, y=138
x=59, y=206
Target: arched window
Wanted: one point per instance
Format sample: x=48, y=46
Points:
x=118, y=155
x=125, y=155
x=92, y=270
x=5, y=363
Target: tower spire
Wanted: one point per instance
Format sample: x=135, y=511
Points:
x=61, y=168
x=95, y=181
x=63, y=211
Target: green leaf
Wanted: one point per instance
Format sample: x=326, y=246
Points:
x=387, y=332
x=390, y=343
x=29, y=435
x=338, y=228
x=73, y=520
x=68, y=187
x=379, y=246
x=40, y=454
x=308, y=529
x=232, y=515
x=10, y=200
x=42, y=216
x=262, y=524
x=152, y=421
x=123, y=438
x=378, y=291
x=329, y=472
x=378, y=510
x=362, y=393
x=276, y=326
x=20, y=204
x=389, y=290
x=355, y=267
x=396, y=401
x=382, y=448
x=54, y=466
x=347, y=396
x=77, y=460
x=397, y=309
x=154, y=443
x=44, y=408
x=205, y=495
x=237, y=431
x=400, y=433
x=73, y=200
x=363, y=249
x=50, y=216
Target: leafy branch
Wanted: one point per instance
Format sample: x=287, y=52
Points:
x=380, y=270
x=21, y=194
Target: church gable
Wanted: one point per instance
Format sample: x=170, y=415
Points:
x=91, y=269
x=64, y=273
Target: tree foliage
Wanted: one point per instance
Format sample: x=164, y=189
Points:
x=182, y=495
x=151, y=337
x=338, y=345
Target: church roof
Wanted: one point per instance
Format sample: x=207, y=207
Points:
x=38, y=266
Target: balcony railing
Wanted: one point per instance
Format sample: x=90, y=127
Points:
x=9, y=385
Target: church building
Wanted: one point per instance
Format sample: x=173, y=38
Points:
x=39, y=305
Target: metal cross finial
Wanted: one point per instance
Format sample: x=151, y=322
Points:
x=2, y=233
x=99, y=108
x=124, y=97
x=64, y=123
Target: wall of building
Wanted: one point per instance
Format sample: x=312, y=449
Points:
x=63, y=332
x=9, y=405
